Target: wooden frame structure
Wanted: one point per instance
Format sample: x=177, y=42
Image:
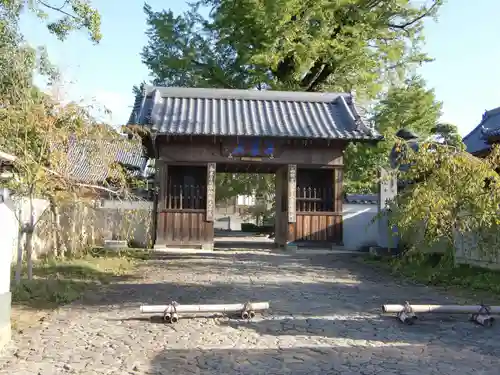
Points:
x=300, y=137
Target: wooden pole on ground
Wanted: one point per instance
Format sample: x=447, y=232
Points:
x=170, y=312
x=479, y=313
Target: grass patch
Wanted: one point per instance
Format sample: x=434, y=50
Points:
x=431, y=269
x=129, y=253
x=58, y=282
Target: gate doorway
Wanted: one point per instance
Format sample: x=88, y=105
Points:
x=306, y=207
x=300, y=137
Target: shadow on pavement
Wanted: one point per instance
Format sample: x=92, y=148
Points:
x=395, y=360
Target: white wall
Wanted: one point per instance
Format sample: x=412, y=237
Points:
x=245, y=200
x=358, y=231
x=15, y=211
x=8, y=239
x=135, y=215
x=112, y=218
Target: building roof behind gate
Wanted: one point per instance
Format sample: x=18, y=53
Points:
x=222, y=112
x=476, y=140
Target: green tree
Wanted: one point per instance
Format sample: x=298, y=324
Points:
x=316, y=45
x=40, y=133
x=61, y=17
x=18, y=61
x=448, y=134
x=455, y=192
x=230, y=185
x=411, y=106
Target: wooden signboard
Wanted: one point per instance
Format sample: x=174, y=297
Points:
x=292, y=186
x=210, y=191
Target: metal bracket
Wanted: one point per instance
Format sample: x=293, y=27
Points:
x=483, y=316
x=170, y=313
x=407, y=315
x=247, y=312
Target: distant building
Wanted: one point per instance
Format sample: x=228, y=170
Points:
x=478, y=142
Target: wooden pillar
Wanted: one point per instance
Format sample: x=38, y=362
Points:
x=279, y=224
x=161, y=179
x=338, y=200
x=338, y=184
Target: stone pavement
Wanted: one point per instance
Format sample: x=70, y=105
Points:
x=324, y=320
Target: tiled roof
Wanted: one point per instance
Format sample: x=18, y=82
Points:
x=475, y=141
x=361, y=199
x=221, y=112
x=85, y=165
x=493, y=132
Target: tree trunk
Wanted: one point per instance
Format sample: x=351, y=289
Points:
x=29, y=251
x=71, y=249
x=29, y=229
x=83, y=228
x=20, y=233
x=60, y=247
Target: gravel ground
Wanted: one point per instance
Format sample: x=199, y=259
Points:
x=324, y=319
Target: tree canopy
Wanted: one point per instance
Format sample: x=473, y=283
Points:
x=409, y=105
x=455, y=193
x=350, y=45
x=41, y=133
x=315, y=45
x=61, y=18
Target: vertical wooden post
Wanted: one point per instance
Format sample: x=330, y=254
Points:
x=162, y=184
x=278, y=217
x=210, y=191
x=292, y=186
x=161, y=196
x=338, y=183
x=338, y=200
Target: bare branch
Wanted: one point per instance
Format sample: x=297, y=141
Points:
x=58, y=9
x=424, y=14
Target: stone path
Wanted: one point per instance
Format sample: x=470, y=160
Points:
x=324, y=320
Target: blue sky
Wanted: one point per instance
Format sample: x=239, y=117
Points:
x=465, y=73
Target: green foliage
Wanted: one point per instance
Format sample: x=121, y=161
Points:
x=230, y=185
x=263, y=213
x=317, y=45
x=41, y=134
x=288, y=44
x=453, y=192
x=58, y=282
x=61, y=19
x=18, y=61
x=258, y=229
x=448, y=134
x=411, y=106
x=434, y=270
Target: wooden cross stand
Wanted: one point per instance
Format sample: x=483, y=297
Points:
x=171, y=312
